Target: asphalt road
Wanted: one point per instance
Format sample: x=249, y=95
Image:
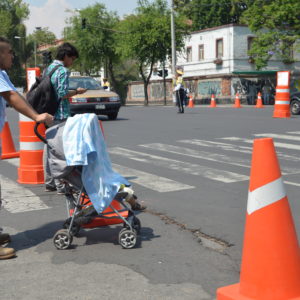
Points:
x=192, y=170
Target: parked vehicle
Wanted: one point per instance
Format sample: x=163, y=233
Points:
x=95, y=99
x=295, y=103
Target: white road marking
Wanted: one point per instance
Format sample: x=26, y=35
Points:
x=193, y=169
x=292, y=183
x=17, y=199
x=279, y=136
x=277, y=144
x=234, y=148
x=294, y=132
x=150, y=181
x=236, y=161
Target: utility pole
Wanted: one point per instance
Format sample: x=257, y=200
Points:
x=35, y=45
x=173, y=42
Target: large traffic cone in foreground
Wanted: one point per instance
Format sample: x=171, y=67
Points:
x=237, y=102
x=8, y=147
x=213, y=101
x=191, y=102
x=259, y=103
x=270, y=267
x=282, y=97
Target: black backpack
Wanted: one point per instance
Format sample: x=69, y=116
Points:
x=42, y=96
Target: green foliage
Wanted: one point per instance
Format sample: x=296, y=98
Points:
x=276, y=24
x=146, y=37
x=96, y=42
x=210, y=13
x=12, y=15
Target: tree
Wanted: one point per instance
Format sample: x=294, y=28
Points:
x=276, y=24
x=210, y=13
x=95, y=41
x=39, y=37
x=12, y=15
x=146, y=37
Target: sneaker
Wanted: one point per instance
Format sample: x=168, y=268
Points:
x=4, y=238
x=138, y=206
x=6, y=253
x=61, y=192
x=50, y=189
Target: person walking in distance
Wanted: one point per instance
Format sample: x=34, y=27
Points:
x=9, y=94
x=179, y=91
x=106, y=84
x=65, y=56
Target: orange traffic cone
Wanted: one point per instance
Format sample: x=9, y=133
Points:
x=259, y=103
x=270, y=267
x=213, y=101
x=282, y=97
x=237, y=103
x=191, y=102
x=8, y=147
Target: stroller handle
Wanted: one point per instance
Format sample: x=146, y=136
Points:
x=38, y=134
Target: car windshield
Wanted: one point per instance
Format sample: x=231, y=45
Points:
x=84, y=82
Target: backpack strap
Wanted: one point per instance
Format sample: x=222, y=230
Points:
x=53, y=70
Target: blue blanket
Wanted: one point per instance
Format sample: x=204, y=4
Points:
x=84, y=145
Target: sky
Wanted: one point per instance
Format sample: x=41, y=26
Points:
x=53, y=13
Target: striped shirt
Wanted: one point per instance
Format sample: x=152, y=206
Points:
x=60, y=81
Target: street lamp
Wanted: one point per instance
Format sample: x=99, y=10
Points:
x=23, y=47
x=173, y=41
x=35, y=46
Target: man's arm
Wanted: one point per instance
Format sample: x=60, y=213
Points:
x=21, y=105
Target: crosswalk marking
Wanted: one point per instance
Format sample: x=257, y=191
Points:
x=223, y=146
x=277, y=144
x=234, y=148
x=294, y=132
x=185, y=167
x=17, y=199
x=153, y=182
x=279, y=136
x=198, y=154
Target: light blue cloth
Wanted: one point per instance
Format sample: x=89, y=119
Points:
x=84, y=145
x=5, y=86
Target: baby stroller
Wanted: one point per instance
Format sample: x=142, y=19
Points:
x=81, y=211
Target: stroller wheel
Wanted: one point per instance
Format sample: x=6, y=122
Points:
x=127, y=238
x=75, y=227
x=135, y=223
x=62, y=239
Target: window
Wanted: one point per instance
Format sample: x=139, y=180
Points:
x=219, y=48
x=250, y=42
x=201, y=52
x=189, y=54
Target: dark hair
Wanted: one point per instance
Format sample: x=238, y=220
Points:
x=3, y=40
x=66, y=49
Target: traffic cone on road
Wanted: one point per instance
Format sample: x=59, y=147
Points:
x=191, y=102
x=270, y=267
x=237, y=102
x=259, y=103
x=8, y=147
x=282, y=97
x=213, y=101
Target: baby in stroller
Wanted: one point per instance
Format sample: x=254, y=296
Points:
x=95, y=194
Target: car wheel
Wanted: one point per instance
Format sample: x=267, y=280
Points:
x=112, y=116
x=295, y=107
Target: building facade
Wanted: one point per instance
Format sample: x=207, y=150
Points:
x=216, y=61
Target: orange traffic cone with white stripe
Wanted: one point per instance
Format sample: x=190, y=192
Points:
x=8, y=147
x=237, y=102
x=191, y=102
x=31, y=170
x=270, y=267
x=213, y=101
x=259, y=103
